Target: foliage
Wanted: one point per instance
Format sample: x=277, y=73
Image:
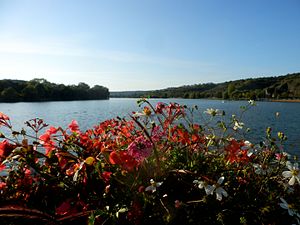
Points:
x=281, y=87
x=158, y=167
x=42, y=90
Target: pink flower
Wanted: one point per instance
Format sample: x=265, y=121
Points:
x=157, y=134
x=159, y=107
x=280, y=156
x=140, y=148
x=3, y=120
x=3, y=116
x=74, y=127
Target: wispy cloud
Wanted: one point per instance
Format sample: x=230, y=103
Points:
x=53, y=47
x=72, y=49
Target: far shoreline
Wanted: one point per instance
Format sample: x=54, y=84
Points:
x=284, y=100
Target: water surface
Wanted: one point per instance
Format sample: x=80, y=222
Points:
x=90, y=113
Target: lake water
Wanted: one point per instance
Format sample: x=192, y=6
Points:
x=90, y=113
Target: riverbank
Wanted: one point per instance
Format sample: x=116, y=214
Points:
x=284, y=100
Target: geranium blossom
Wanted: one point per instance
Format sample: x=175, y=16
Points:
x=2, y=167
x=2, y=185
x=236, y=152
x=47, y=142
x=293, y=173
x=124, y=159
x=4, y=120
x=74, y=127
x=160, y=106
x=5, y=148
x=140, y=148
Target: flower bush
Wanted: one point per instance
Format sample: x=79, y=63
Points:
x=158, y=167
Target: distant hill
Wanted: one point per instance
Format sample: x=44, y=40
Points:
x=280, y=87
x=42, y=90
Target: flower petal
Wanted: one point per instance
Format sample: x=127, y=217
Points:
x=292, y=180
x=283, y=205
x=287, y=174
x=209, y=189
x=284, y=202
x=219, y=196
x=150, y=188
x=291, y=212
x=221, y=179
x=201, y=185
x=158, y=184
x=223, y=192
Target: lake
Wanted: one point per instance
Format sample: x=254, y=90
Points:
x=90, y=113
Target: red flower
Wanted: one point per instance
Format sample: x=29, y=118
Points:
x=47, y=142
x=159, y=107
x=2, y=167
x=2, y=185
x=74, y=127
x=235, y=153
x=52, y=130
x=123, y=159
x=135, y=213
x=106, y=176
x=5, y=148
x=64, y=208
x=70, y=206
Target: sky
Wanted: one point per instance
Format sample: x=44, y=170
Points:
x=148, y=44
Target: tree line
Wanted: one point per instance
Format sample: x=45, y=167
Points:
x=42, y=90
x=280, y=87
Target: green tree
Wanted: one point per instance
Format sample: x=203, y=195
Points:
x=231, y=89
x=9, y=95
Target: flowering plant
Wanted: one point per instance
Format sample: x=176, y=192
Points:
x=157, y=167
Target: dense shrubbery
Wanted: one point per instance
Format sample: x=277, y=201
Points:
x=158, y=167
x=281, y=87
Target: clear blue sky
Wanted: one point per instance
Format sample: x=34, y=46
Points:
x=148, y=44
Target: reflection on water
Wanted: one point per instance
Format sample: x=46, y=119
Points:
x=90, y=113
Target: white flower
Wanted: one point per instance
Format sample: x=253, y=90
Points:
x=238, y=125
x=219, y=190
x=251, y=102
x=213, y=112
x=287, y=206
x=294, y=173
x=210, y=189
x=261, y=169
x=202, y=184
x=153, y=186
